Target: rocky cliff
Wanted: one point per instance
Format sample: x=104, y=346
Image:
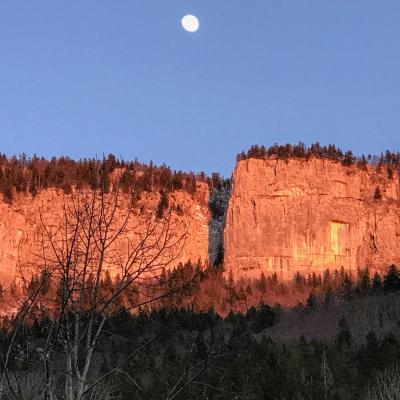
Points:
x=20, y=223
x=283, y=216
x=309, y=215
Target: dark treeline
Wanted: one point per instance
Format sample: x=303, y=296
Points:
x=240, y=356
x=31, y=175
x=211, y=289
x=246, y=363
x=388, y=159
x=223, y=294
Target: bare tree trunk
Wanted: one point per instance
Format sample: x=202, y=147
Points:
x=100, y=232
x=97, y=233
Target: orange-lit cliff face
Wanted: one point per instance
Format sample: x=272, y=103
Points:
x=283, y=216
x=295, y=215
x=21, y=221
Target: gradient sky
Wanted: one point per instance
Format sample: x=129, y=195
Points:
x=87, y=77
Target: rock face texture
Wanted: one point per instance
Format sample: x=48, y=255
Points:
x=283, y=216
x=21, y=221
x=295, y=215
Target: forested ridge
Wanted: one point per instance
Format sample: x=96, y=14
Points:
x=25, y=174
x=31, y=175
x=389, y=160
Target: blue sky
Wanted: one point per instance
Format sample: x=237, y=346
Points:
x=87, y=77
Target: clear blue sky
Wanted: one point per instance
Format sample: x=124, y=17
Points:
x=83, y=77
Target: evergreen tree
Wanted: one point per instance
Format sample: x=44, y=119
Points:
x=8, y=193
x=370, y=355
x=299, y=281
x=391, y=281
x=265, y=317
x=163, y=204
x=274, y=279
x=390, y=172
x=312, y=303
x=329, y=299
x=327, y=279
x=376, y=282
x=347, y=287
x=190, y=184
x=344, y=337
x=364, y=280
x=262, y=283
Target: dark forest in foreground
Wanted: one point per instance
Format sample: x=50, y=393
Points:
x=337, y=345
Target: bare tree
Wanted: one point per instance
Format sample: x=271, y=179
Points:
x=97, y=233
x=386, y=386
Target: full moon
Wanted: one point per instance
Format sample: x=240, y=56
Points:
x=190, y=23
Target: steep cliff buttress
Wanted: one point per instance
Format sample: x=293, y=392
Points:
x=283, y=216
x=20, y=221
x=295, y=215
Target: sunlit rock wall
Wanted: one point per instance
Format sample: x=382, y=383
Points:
x=309, y=215
x=20, y=246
